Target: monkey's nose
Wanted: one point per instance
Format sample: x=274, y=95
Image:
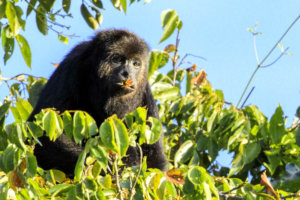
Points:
x=125, y=74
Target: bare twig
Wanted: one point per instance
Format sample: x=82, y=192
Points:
x=282, y=53
x=132, y=191
x=243, y=104
x=17, y=77
x=175, y=57
x=117, y=176
x=265, y=58
x=227, y=195
x=188, y=54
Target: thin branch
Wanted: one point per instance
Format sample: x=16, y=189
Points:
x=265, y=58
x=117, y=176
x=132, y=191
x=247, y=97
x=175, y=57
x=282, y=53
x=227, y=196
x=16, y=77
x=188, y=54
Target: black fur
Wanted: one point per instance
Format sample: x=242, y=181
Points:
x=86, y=80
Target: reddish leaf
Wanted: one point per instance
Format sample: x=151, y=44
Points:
x=170, y=48
x=200, y=78
x=264, y=181
x=175, y=176
x=14, y=180
x=192, y=68
x=127, y=83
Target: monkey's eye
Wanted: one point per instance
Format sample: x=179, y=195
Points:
x=137, y=64
x=117, y=58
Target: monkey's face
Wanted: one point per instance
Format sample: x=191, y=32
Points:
x=125, y=73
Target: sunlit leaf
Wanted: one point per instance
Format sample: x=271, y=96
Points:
x=154, y=134
x=52, y=125
x=63, y=39
x=170, y=22
x=185, y=152
x=157, y=60
x=8, y=44
x=89, y=19
x=79, y=126
x=277, y=129
x=11, y=14
x=25, y=49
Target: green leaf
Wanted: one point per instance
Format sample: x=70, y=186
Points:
x=30, y=7
x=24, y=108
x=185, y=152
x=124, y=5
x=4, y=109
x=9, y=158
x=41, y=20
x=8, y=43
x=165, y=91
x=212, y=149
x=212, y=120
x=98, y=3
x=2, y=8
x=273, y=161
x=251, y=152
x=153, y=135
x=31, y=164
x=57, y=189
x=66, y=5
x=197, y=175
x=11, y=14
x=79, y=166
x=89, y=19
x=170, y=21
x=52, y=125
x=15, y=135
x=79, y=126
x=158, y=59
x=25, y=49
x=35, y=89
x=68, y=124
x=277, y=129
x=238, y=162
x=92, y=128
x=107, y=135
x=90, y=183
x=63, y=39
x=121, y=136
x=101, y=155
x=114, y=135
x=47, y=4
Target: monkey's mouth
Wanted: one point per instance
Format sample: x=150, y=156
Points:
x=126, y=87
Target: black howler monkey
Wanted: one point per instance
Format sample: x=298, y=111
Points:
x=94, y=77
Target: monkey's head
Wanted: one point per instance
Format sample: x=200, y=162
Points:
x=123, y=61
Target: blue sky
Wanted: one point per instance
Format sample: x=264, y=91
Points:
x=214, y=29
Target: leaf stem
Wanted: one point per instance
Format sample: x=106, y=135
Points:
x=132, y=191
x=117, y=176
